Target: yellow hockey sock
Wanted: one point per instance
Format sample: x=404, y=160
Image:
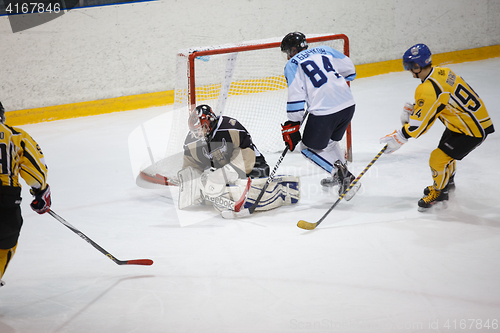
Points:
x=442, y=167
x=5, y=257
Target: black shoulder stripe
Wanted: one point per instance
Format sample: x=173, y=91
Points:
x=431, y=120
x=14, y=132
x=437, y=90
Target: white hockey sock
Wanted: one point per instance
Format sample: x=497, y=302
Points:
x=325, y=158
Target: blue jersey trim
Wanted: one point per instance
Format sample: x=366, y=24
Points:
x=351, y=77
x=318, y=160
x=295, y=106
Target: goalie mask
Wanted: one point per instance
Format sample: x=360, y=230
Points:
x=202, y=121
x=293, y=39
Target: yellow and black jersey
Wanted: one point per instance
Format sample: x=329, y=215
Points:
x=230, y=142
x=446, y=96
x=20, y=155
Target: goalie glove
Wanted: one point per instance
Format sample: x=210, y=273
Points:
x=41, y=203
x=225, y=175
x=394, y=141
x=407, y=112
x=213, y=181
x=291, y=134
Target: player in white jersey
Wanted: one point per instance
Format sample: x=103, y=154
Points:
x=317, y=81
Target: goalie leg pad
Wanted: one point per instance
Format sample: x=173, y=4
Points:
x=189, y=187
x=283, y=190
x=221, y=202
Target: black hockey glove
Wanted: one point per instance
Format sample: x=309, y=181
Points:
x=41, y=203
x=291, y=134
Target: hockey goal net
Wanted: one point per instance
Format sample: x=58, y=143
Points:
x=244, y=81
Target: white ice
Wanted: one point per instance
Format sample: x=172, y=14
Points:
x=375, y=264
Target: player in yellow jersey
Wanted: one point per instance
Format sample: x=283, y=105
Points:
x=445, y=96
x=19, y=155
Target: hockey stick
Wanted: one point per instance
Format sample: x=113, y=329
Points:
x=310, y=226
x=241, y=201
x=146, y=262
x=249, y=211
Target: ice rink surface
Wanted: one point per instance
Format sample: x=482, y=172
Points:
x=375, y=264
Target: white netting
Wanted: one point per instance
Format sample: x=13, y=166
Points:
x=244, y=81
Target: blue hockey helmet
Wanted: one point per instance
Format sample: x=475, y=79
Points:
x=418, y=54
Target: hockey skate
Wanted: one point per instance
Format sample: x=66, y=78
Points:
x=345, y=178
x=329, y=182
x=450, y=186
x=432, y=198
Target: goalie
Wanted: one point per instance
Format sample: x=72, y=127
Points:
x=219, y=157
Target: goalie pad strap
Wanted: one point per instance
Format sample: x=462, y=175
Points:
x=283, y=190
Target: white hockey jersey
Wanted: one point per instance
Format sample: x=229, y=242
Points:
x=317, y=78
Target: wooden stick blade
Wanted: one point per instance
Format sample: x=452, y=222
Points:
x=306, y=225
x=229, y=214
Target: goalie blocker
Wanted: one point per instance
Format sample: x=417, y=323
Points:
x=222, y=188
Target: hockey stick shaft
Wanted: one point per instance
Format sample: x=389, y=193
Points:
x=146, y=262
x=310, y=226
x=271, y=175
x=252, y=208
x=248, y=211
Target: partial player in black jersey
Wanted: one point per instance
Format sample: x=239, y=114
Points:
x=219, y=156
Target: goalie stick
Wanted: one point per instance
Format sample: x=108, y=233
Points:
x=310, y=226
x=157, y=179
x=241, y=201
x=249, y=211
x=146, y=262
